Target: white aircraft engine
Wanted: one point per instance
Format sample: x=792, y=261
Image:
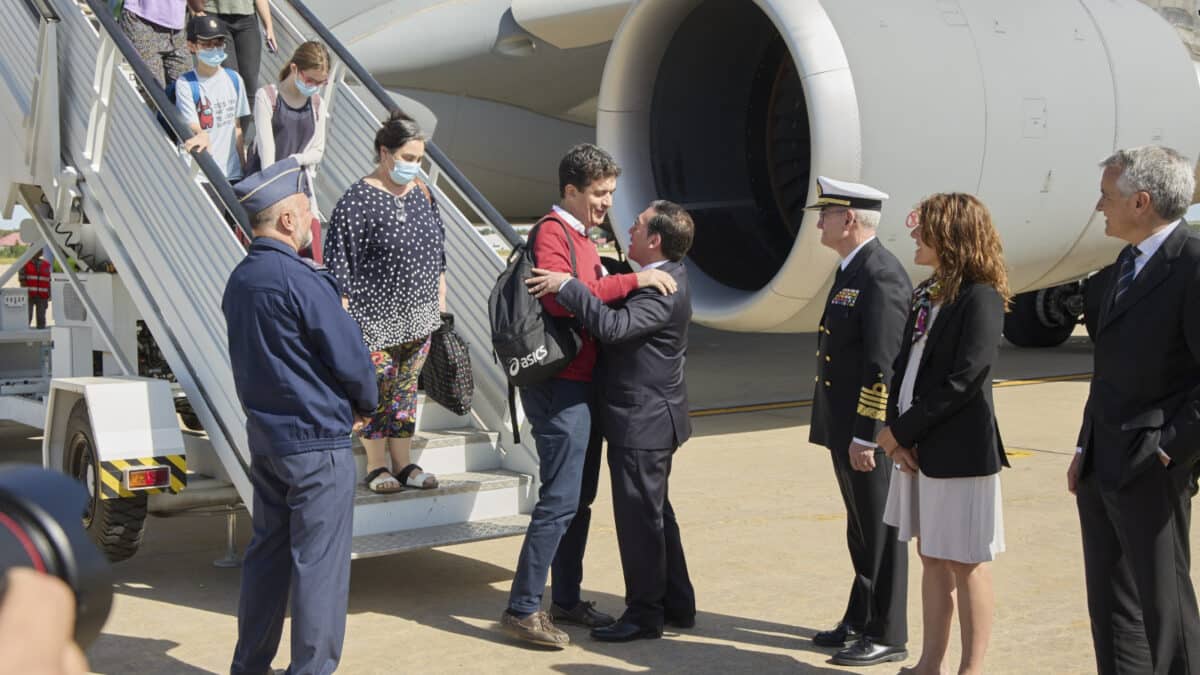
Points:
x=733, y=107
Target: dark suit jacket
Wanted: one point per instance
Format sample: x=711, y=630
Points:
x=857, y=341
x=643, y=344
x=1145, y=391
x=952, y=422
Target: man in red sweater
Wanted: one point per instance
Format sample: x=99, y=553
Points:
x=35, y=275
x=559, y=411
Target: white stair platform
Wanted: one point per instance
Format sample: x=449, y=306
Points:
x=459, y=498
x=372, y=545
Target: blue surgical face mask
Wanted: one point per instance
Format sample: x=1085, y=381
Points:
x=304, y=89
x=402, y=173
x=213, y=57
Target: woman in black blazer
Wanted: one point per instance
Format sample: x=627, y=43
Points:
x=942, y=432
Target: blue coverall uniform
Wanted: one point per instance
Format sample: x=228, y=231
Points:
x=302, y=372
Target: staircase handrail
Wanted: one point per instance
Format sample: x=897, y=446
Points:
x=168, y=111
x=42, y=10
x=439, y=158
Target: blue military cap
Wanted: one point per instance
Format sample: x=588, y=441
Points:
x=258, y=191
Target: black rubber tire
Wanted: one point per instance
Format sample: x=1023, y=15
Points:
x=1023, y=328
x=115, y=525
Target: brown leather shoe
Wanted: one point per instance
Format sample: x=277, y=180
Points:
x=535, y=628
x=583, y=614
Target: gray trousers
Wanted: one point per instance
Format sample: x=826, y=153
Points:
x=37, y=307
x=303, y=523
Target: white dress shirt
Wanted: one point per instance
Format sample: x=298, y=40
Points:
x=1150, y=246
x=569, y=219
x=850, y=256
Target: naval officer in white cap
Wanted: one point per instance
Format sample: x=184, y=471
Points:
x=858, y=339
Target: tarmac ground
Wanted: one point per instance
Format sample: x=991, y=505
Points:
x=763, y=528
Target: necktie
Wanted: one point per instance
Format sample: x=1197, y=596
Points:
x=1125, y=270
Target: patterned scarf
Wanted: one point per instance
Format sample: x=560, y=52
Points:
x=923, y=298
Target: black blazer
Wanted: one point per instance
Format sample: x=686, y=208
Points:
x=1145, y=391
x=857, y=342
x=643, y=348
x=952, y=422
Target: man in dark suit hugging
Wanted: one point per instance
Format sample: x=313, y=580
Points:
x=645, y=418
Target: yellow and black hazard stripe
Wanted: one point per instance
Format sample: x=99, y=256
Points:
x=112, y=475
x=872, y=401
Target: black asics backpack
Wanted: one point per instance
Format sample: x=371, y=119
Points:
x=531, y=345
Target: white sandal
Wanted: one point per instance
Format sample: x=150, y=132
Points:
x=378, y=478
x=414, y=476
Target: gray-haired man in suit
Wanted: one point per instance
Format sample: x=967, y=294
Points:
x=1134, y=472
x=645, y=418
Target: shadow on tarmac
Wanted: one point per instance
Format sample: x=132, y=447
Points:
x=151, y=657
x=473, y=593
x=438, y=589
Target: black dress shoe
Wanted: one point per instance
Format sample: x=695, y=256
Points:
x=624, y=631
x=836, y=637
x=680, y=621
x=866, y=652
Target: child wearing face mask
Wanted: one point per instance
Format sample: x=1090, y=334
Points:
x=212, y=99
x=289, y=121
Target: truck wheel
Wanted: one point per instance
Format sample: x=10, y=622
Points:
x=1025, y=327
x=116, y=525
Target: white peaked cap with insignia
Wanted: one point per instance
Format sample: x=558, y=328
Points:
x=833, y=192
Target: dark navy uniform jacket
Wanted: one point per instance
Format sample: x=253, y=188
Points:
x=299, y=361
x=857, y=342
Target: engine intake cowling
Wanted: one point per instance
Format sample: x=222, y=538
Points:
x=733, y=107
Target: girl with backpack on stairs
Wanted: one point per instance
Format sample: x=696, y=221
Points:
x=289, y=122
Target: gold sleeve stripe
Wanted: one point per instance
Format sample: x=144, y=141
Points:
x=868, y=396
x=872, y=413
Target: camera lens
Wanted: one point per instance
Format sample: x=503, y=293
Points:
x=41, y=527
x=22, y=544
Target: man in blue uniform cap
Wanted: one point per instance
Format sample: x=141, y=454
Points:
x=305, y=380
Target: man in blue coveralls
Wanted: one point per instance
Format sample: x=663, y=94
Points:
x=305, y=380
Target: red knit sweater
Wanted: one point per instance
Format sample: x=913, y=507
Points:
x=551, y=253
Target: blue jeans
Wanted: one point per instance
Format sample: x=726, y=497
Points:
x=558, y=411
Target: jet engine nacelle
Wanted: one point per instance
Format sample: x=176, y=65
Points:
x=733, y=107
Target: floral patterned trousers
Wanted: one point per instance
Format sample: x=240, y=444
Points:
x=397, y=369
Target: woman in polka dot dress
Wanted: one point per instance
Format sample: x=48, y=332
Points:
x=386, y=246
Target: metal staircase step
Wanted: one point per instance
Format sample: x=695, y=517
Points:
x=369, y=546
x=448, y=451
x=459, y=497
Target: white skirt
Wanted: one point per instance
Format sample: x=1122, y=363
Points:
x=958, y=519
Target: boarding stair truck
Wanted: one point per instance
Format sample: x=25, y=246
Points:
x=132, y=383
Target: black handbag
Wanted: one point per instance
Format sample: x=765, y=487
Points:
x=446, y=376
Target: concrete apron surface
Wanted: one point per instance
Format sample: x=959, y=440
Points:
x=763, y=528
